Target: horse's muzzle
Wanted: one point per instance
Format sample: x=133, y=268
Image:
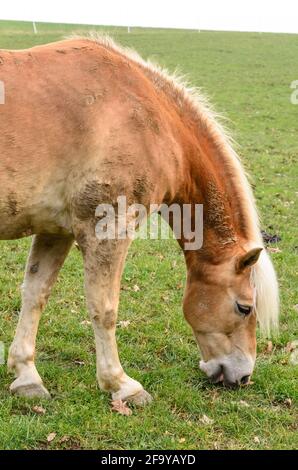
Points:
x=232, y=370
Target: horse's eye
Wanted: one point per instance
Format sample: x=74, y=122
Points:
x=243, y=309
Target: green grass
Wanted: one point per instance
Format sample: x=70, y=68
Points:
x=248, y=77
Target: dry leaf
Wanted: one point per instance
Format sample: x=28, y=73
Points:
x=288, y=402
x=121, y=407
x=257, y=440
x=51, y=436
x=136, y=288
x=85, y=322
x=206, y=420
x=214, y=395
x=174, y=264
x=244, y=403
x=269, y=347
x=79, y=363
x=64, y=439
x=124, y=323
x=291, y=346
x=272, y=249
x=182, y=440
x=296, y=307
x=240, y=402
x=38, y=410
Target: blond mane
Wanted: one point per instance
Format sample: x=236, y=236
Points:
x=193, y=101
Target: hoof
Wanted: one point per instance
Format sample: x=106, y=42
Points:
x=141, y=398
x=29, y=390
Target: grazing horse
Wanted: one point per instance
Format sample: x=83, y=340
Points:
x=84, y=121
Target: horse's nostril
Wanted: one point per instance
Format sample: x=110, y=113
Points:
x=245, y=379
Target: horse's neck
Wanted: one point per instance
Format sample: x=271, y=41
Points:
x=211, y=181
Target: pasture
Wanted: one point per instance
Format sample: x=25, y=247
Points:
x=248, y=78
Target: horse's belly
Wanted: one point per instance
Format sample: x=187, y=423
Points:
x=18, y=221
x=11, y=230
x=20, y=228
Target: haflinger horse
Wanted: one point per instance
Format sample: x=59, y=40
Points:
x=85, y=120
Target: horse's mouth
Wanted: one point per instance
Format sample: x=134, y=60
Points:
x=220, y=378
x=218, y=375
x=214, y=372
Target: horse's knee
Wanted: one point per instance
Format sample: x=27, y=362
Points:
x=104, y=318
x=109, y=319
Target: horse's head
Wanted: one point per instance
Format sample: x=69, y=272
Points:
x=221, y=303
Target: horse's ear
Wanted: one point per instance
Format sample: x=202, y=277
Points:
x=250, y=258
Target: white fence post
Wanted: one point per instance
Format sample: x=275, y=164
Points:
x=34, y=28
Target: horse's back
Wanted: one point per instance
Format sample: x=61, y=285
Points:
x=76, y=115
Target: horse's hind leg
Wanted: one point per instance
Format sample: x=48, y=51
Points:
x=46, y=257
x=103, y=262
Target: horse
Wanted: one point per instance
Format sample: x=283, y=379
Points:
x=85, y=120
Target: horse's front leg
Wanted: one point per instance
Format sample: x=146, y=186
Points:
x=103, y=263
x=46, y=257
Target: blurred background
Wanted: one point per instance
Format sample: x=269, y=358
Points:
x=221, y=15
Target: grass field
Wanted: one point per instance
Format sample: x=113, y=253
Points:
x=248, y=78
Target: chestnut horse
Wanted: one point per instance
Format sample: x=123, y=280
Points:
x=84, y=121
